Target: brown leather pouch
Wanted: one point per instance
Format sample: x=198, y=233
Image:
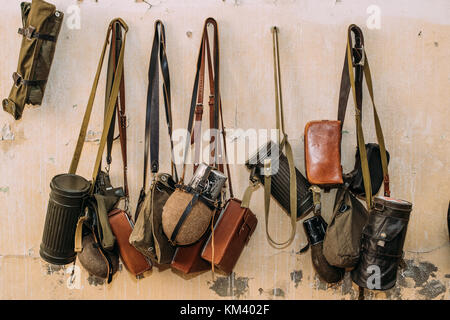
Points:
x=187, y=259
x=121, y=226
x=323, y=152
x=232, y=232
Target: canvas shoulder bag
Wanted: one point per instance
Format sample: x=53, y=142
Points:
x=148, y=236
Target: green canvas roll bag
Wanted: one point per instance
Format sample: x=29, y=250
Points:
x=41, y=23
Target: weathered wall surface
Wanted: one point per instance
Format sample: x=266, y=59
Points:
x=409, y=57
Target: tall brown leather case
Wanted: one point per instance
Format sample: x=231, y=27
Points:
x=121, y=226
x=231, y=233
x=323, y=152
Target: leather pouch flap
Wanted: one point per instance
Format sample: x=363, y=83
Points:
x=249, y=224
x=323, y=152
x=384, y=228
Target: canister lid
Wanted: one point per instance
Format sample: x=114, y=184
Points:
x=393, y=203
x=70, y=185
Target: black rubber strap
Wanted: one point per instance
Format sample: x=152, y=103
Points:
x=185, y=214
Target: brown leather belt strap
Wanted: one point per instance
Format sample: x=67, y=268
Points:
x=121, y=112
x=215, y=104
x=116, y=44
x=110, y=108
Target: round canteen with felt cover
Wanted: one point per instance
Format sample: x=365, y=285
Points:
x=196, y=220
x=94, y=261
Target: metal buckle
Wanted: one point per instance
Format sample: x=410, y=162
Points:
x=17, y=79
x=378, y=206
x=29, y=32
x=363, y=56
x=316, y=198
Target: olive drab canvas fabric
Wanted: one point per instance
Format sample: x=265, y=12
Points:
x=341, y=246
x=41, y=23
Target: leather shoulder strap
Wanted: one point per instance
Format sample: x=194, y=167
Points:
x=360, y=134
x=215, y=104
x=358, y=63
x=116, y=45
x=110, y=108
x=152, y=110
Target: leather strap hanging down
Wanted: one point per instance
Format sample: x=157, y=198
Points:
x=194, y=134
x=360, y=135
x=115, y=47
x=289, y=154
x=110, y=109
x=215, y=104
x=151, y=143
x=111, y=106
x=153, y=100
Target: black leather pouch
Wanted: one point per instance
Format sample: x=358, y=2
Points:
x=375, y=168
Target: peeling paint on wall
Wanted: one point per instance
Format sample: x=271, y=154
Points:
x=230, y=286
x=296, y=277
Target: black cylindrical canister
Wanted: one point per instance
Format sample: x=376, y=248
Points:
x=64, y=207
x=382, y=243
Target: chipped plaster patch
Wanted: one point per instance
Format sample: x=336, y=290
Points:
x=230, y=286
x=432, y=289
x=296, y=277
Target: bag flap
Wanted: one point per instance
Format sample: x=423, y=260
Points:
x=323, y=152
x=40, y=11
x=384, y=228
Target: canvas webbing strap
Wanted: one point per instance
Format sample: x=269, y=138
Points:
x=289, y=154
x=360, y=134
x=110, y=108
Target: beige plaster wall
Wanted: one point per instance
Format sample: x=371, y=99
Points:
x=409, y=57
